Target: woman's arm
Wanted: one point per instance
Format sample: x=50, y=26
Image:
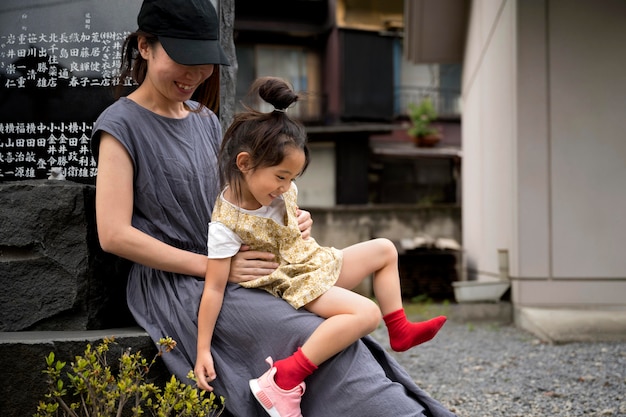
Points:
x=210, y=306
x=114, y=208
x=305, y=222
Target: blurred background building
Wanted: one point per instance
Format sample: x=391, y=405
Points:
x=541, y=89
x=348, y=56
x=523, y=188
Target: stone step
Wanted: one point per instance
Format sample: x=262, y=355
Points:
x=22, y=360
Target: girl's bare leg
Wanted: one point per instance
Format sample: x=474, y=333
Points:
x=349, y=316
x=380, y=257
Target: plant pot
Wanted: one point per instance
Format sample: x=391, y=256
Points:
x=479, y=291
x=427, y=141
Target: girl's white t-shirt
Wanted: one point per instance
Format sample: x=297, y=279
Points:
x=222, y=242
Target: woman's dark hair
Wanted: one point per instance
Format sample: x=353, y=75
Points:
x=135, y=67
x=266, y=137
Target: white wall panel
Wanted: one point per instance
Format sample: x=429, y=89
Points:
x=489, y=91
x=533, y=146
x=588, y=111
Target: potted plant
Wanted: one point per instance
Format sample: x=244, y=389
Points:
x=422, y=131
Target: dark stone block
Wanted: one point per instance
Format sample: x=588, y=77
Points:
x=53, y=273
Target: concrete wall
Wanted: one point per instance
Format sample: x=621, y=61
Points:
x=343, y=226
x=543, y=100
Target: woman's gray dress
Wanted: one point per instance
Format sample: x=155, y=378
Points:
x=175, y=186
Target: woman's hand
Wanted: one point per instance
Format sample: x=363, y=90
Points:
x=305, y=223
x=249, y=264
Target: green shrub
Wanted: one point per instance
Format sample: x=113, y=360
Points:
x=92, y=389
x=422, y=115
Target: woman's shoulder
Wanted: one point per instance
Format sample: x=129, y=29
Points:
x=198, y=108
x=115, y=120
x=126, y=109
x=120, y=110
x=122, y=103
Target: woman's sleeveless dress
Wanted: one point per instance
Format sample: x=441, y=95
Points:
x=306, y=270
x=175, y=163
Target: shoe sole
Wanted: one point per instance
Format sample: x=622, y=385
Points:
x=256, y=389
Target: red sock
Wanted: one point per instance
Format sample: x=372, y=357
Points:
x=293, y=370
x=404, y=334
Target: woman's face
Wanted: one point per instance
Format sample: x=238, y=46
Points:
x=171, y=80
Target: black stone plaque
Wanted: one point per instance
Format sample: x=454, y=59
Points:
x=59, y=66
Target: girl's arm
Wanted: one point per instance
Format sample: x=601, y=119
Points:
x=210, y=305
x=114, y=208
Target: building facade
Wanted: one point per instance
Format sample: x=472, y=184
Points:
x=544, y=100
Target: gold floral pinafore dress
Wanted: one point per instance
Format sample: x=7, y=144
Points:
x=306, y=270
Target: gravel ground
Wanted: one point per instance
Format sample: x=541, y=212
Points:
x=491, y=370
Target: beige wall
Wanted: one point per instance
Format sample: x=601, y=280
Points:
x=544, y=102
x=316, y=187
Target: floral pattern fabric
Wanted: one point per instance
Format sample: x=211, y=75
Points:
x=306, y=269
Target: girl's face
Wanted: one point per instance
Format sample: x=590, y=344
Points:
x=171, y=82
x=263, y=185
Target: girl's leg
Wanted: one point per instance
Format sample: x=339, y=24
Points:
x=380, y=257
x=349, y=316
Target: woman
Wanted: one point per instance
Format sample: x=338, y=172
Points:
x=157, y=182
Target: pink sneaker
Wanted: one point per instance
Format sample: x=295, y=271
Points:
x=275, y=400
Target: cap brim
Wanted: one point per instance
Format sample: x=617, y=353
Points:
x=194, y=51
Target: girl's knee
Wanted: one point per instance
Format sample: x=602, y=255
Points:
x=371, y=316
x=388, y=248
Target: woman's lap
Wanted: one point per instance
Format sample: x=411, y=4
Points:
x=362, y=381
x=353, y=383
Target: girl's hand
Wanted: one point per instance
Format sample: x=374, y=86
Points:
x=204, y=370
x=305, y=223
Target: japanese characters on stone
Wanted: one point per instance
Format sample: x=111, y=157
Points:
x=59, y=64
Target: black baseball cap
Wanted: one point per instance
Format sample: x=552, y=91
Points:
x=187, y=29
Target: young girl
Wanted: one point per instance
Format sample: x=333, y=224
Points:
x=260, y=157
